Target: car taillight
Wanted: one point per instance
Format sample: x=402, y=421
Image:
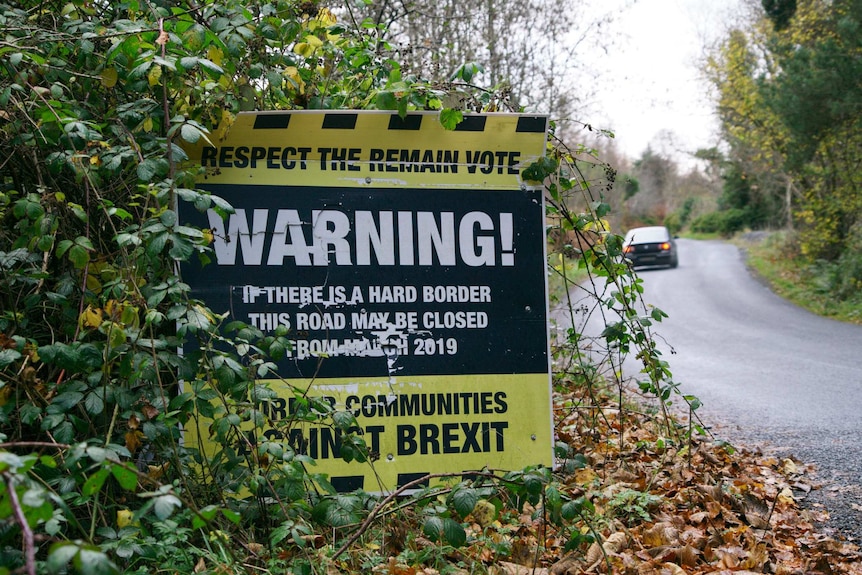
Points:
x=665, y=246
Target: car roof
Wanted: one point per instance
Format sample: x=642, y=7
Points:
x=648, y=234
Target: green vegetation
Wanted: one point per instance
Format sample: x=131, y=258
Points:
x=831, y=289
x=97, y=102
x=787, y=81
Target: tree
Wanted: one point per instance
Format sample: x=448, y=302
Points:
x=533, y=52
x=788, y=101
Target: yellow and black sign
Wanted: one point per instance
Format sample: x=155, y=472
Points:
x=407, y=262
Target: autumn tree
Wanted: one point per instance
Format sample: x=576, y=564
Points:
x=534, y=52
x=788, y=100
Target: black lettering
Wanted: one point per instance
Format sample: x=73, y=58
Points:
x=501, y=161
x=486, y=402
x=353, y=159
x=257, y=153
x=409, y=160
x=272, y=435
x=471, y=443
x=471, y=161
x=450, y=438
x=324, y=154
x=276, y=408
x=374, y=431
x=303, y=156
x=500, y=400
x=429, y=440
x=297, y=440
x=389, y=409
x=428, y=162
x=488, y=162
x=450, y=160
x=514, y=159
x=327, y=444
x=349, y=402
x=409, y=404
x=406, y=435
x=208, y=157
x=428, y=406
x=225, y=156
x=444, y=404
x=498, y=427
x=391, y=160
x=272, y=158
x=241, y=157
x=285, y=154
x=246, y=443
x=375, y=157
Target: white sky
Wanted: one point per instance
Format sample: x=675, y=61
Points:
x=652, y=86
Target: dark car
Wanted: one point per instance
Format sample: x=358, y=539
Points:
x=651, y=246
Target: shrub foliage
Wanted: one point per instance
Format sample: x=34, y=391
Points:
x=96, y=100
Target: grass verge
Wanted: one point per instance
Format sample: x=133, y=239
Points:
x=776, y=260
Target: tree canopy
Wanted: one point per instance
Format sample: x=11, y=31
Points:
x=789, y=89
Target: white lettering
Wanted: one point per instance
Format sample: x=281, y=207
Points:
x=237, y=233
x=470, y=241
x=454, y=320
x=364, y=238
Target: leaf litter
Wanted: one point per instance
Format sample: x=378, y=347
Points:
x=660, y=507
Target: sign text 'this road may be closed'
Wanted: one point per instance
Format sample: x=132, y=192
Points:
x=407, y=263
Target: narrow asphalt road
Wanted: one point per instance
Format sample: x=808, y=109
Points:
x=768, y=372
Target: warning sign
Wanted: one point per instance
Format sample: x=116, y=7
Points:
x=406, y=264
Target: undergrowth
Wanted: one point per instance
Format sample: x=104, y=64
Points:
x=831, y=289
x=94, y=392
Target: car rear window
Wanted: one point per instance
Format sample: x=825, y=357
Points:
x=647, y=235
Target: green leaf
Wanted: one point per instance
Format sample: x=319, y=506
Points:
x=93, y=403
x=231, y=516
x=539, y=170
x=147, y=170
x=93, y=561
x=433, y=528
x=190, y=134
x=68, y=400
x=340, y=515
x=281, y=533
x=95, y=482
x=127, y=478
x=343, y=420
x=62, y=247
x=386, y=100
x=454, y=533
x=60, y=556
x=450, y=118
x=466, y=71
x=204, y=516
x=553, y=498
x=169, y=218
x=164, y=505
x=465, y=501
x=79, y=256
x=7, y=356
x=181, y=248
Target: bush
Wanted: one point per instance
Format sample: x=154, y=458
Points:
x=725, y=222
x=842, y=278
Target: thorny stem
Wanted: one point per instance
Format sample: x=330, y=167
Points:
x=29, y=544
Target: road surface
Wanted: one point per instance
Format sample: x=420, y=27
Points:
x=767, y=371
